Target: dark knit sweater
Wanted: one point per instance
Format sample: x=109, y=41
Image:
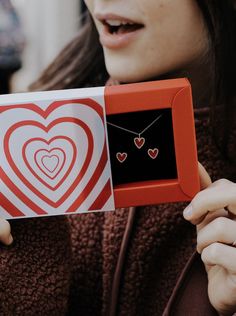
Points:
x=66, y=265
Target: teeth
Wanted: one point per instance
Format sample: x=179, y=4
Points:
x=113, y=22
x=118, y=22
x=127, y=23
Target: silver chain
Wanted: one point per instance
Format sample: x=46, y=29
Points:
x=135, y=133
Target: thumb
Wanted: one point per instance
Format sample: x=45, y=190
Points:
x=205, y=179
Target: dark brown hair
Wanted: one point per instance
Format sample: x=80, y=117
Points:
x=220, y=18
x=81, y=64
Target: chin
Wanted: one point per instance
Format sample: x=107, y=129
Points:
x=124, y=71
x=133, y=75
x=128, y=77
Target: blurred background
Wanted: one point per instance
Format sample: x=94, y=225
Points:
x=32, y=33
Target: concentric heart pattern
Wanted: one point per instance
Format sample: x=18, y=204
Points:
x=54, y=159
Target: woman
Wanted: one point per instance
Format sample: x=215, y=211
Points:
x=136, y=261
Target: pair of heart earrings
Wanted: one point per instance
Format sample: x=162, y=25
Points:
x=138, y=141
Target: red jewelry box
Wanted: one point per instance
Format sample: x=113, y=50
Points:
x=174, y=95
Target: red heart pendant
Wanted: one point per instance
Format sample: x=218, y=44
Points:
x=139, y=142
x=121, y=157
x=153, y=153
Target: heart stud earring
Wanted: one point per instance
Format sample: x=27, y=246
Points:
x=153, y=153
x=121, y=157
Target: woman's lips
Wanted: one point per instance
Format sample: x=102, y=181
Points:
x=116, y=31
x=117, y=40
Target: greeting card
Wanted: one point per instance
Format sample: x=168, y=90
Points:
x=54, y=155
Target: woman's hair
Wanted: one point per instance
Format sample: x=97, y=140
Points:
x=81, y=64
x=220, y=19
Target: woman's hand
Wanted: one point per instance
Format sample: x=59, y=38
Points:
x=5, y=232
x=213, y=211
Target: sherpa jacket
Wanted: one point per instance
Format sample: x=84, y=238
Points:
x=131, y=262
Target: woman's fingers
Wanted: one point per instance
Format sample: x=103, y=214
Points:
x=221, y=230
x=211, y=216
x=205, y=179
x=5, y=232
x=220, y=254
x=220, y=194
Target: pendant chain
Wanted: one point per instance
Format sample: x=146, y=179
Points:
x=135, y=133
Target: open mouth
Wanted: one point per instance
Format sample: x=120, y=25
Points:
x=116, y=27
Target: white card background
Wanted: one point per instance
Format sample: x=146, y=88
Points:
x=54, y=156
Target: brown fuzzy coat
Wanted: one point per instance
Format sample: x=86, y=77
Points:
x=66, y=265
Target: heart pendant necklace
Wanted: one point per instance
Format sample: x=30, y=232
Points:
x=139, y=140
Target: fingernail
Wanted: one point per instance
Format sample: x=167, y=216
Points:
x=188, y=211
x=10, y=240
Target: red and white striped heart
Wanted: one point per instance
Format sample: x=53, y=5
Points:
x=153, y=153
x=51, y=162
